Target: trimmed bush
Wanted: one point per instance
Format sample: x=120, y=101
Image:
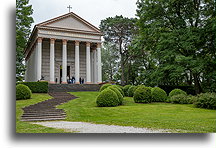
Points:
x=142, y=95
x=179, y=99
x=23, y=92
x=176, y=92
x=117, y=87
x=120, y=97
x=131, y=91
x=104, y=86
x=206, y=100
x=125, y=89
x=158, y=95
x=107, y=98
x=36, y=87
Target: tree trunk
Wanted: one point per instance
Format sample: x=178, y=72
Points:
x=123, y=70
x=198, y=88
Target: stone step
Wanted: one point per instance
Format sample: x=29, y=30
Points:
x=42, y=119
x=45, y=114
x=73, y=87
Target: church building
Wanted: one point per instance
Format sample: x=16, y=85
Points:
x=62, y=49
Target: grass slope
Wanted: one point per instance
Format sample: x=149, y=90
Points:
x=26, y=127
x=177, y=117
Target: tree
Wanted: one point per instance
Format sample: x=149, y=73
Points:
x=23, y=25
x=110, y=58
x=119, y=32
x=179, y=35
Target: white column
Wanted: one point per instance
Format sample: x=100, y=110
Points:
x=95, y=65
x=39, y=58
x=77, y=65
x=88, y=63
x=52, y=60
x=99, y=72
x=64, y=62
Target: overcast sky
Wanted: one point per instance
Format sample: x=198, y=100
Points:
x=92, y=11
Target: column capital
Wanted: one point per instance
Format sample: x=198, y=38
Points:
x=77, y=43
x=52, y=40
x=39, y=39
x=64, y=41
x=98, y=45
x=88, y=44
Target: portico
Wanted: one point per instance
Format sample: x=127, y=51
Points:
x=63, y=48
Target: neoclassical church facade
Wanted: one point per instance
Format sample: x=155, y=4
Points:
x=62, y=48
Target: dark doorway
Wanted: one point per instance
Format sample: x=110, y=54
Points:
x=68, y=72
x=60, y=80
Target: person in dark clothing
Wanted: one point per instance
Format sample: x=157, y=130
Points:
x=82, y=80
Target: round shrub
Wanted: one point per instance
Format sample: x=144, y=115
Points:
x=107, y=98
x=104, y=86
x=142, y=95
x=125, y=89
x=158, y=95
x=23, y=92
x=206, y=100
x=117, y=87
x=179, y=99
x=176, y=92
x=120, y=97
x=131, y=91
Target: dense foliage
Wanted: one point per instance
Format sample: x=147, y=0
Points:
x=206, y=100
x=23, y=26
x=125, y=89
x=36, y=87
x=104, y=86
x=158, y=95
x=107, y=98
x=180, y=99
x=119, y=89
x=176, y=43
x=120, y=97
x=23, y=92
x=142, y=95
x=131, y=91
x=176, y=92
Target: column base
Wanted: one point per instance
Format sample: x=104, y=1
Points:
x=88, y=83
x=64, y=83
x=52, y=82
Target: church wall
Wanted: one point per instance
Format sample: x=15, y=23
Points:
x=31, y=67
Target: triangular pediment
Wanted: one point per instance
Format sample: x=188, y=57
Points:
x=70, y=21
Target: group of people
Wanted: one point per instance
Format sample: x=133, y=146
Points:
x=72, y=80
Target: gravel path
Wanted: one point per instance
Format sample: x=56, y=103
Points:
x=84, y=127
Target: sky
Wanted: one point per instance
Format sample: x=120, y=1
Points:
x=92, y=11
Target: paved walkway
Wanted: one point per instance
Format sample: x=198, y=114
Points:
x=46, y=110
x=84, y=127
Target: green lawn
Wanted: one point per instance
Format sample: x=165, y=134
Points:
x=177, y=117
x=26, y=127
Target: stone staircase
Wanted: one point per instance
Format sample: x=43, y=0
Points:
x=46, y=110
x=73, y=87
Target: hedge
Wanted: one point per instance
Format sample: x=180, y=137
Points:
x=107, y=98
x=177, y=92
x=158, y=95
x=125, y=89
x=206, y=100
x=118, y=93
x=23, y=92
x=142, y=95
x=169, y=88
x=36, y=87
x=104, y=86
